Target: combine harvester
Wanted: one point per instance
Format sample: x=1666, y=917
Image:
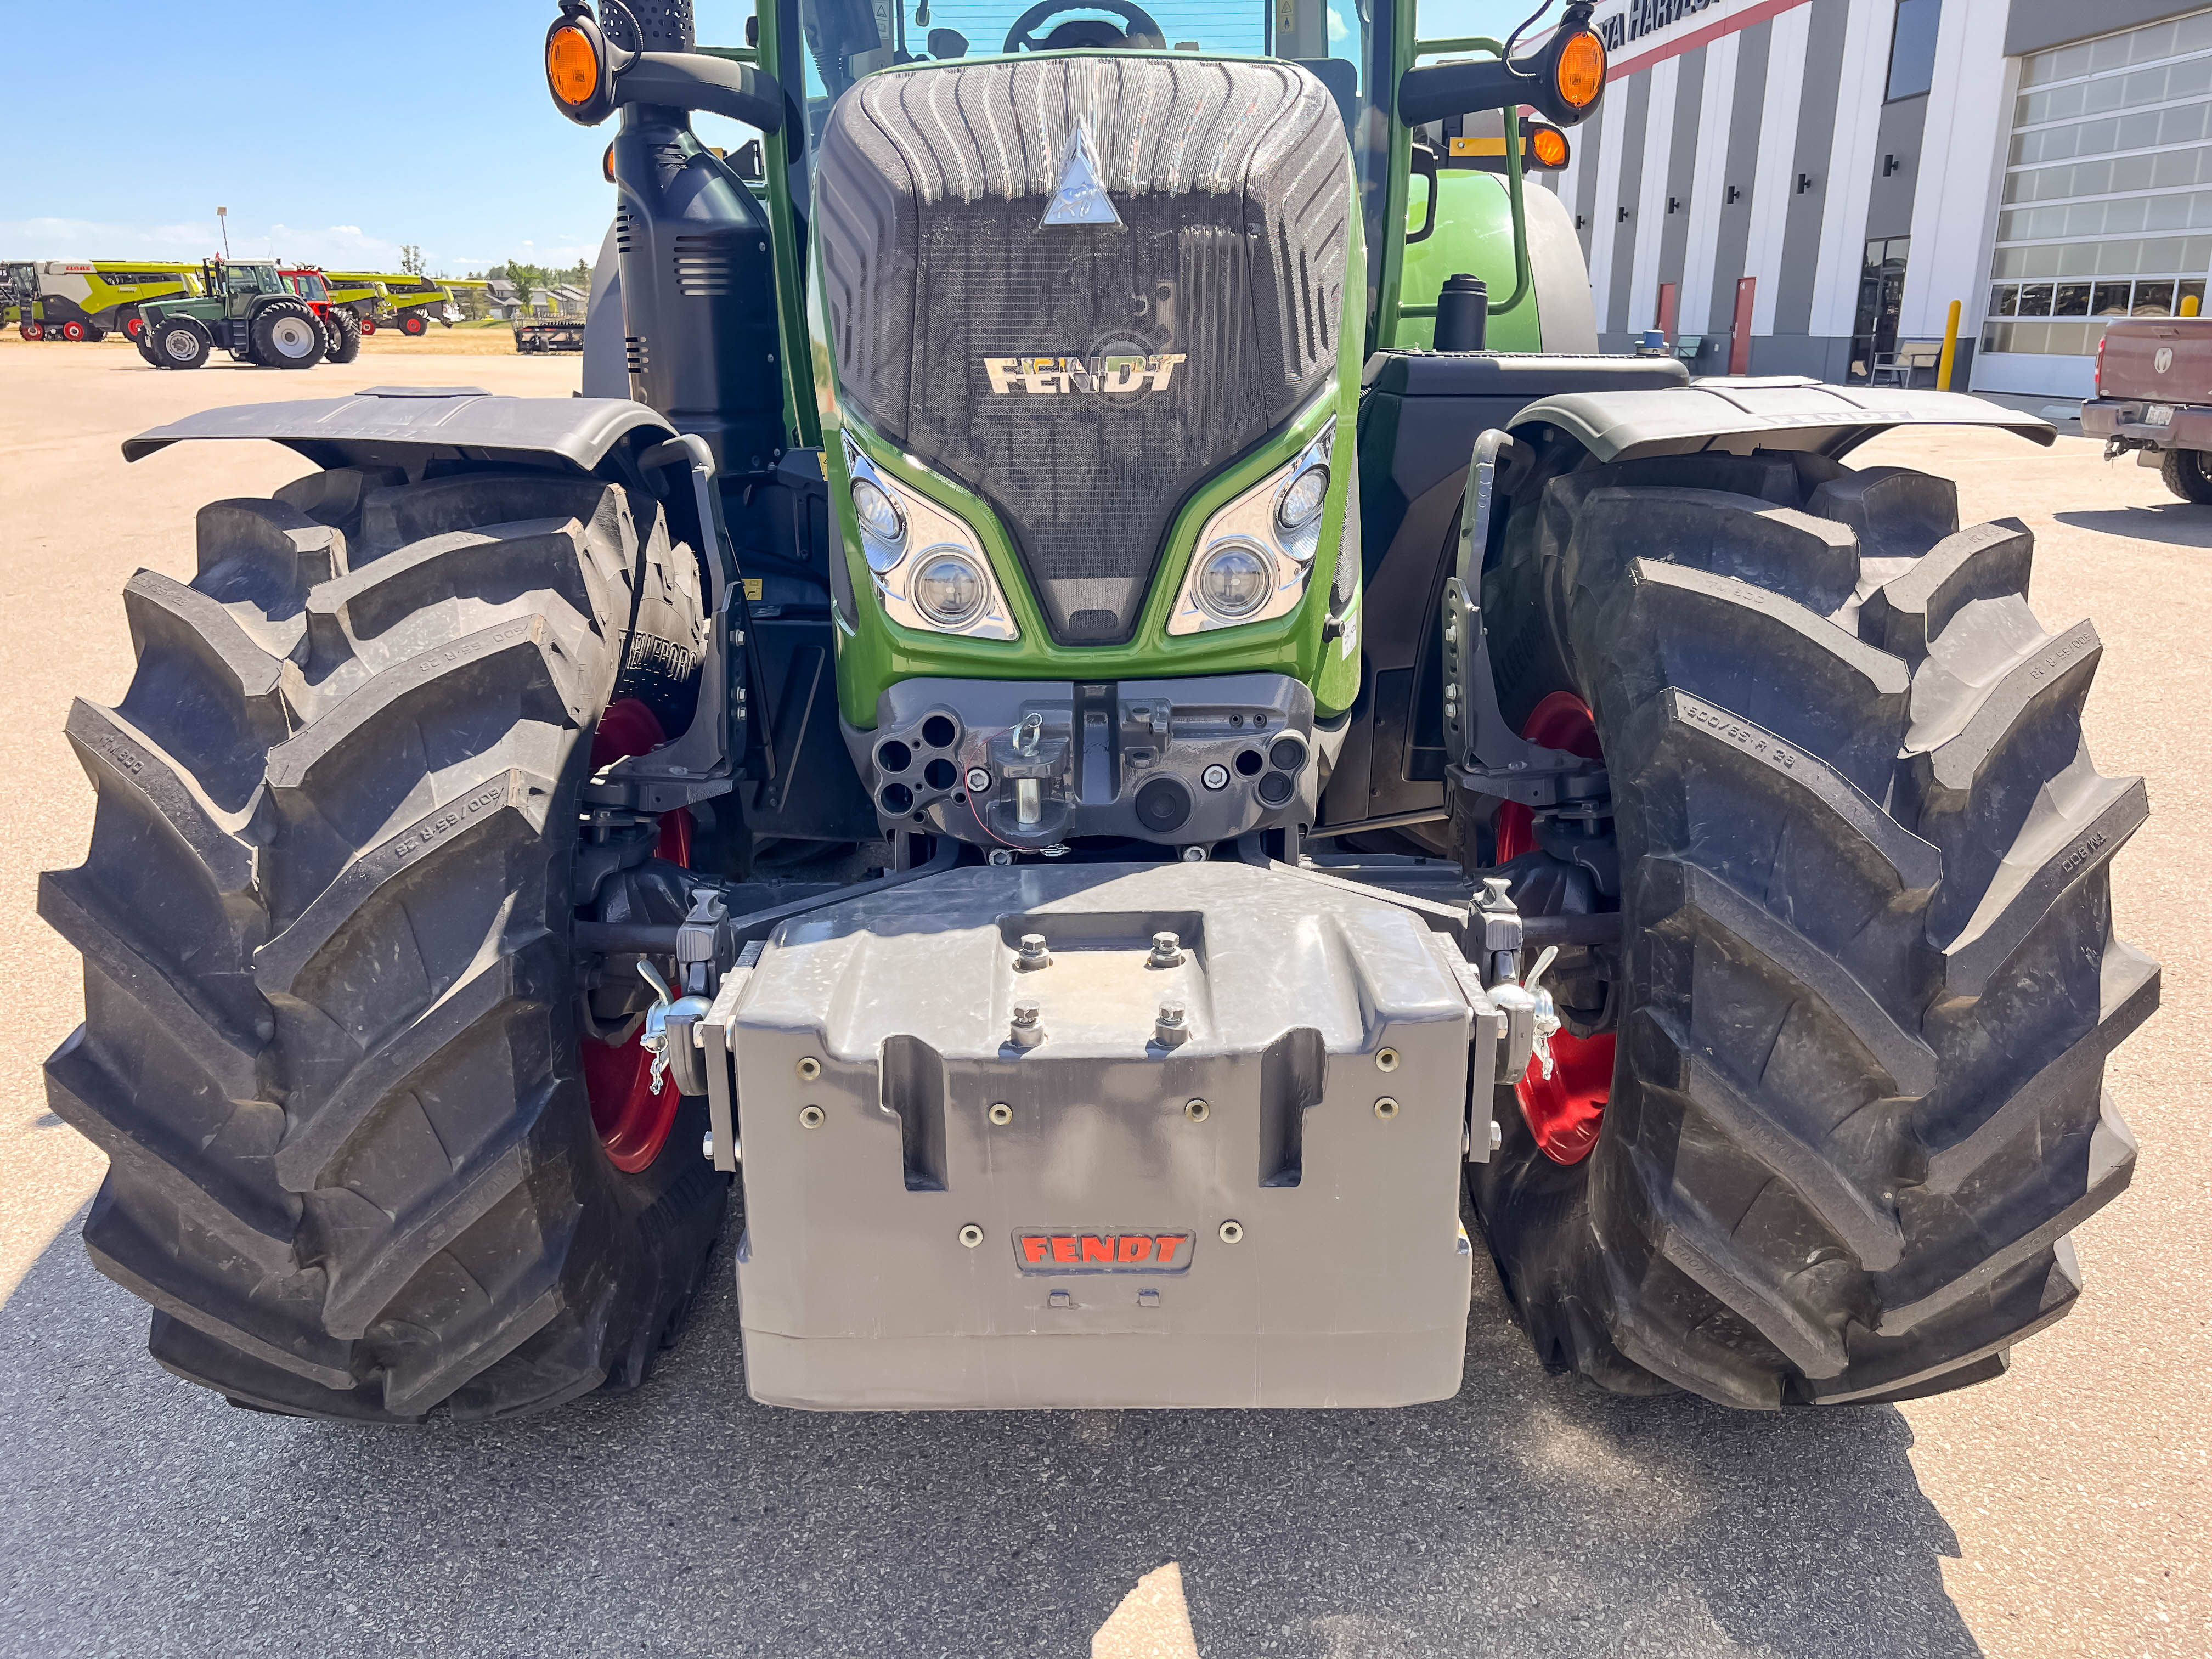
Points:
x=91, y=299
x=1125, y=796
x=409, y=304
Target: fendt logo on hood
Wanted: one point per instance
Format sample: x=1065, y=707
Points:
x=1047, y=1250
x=1115, y=374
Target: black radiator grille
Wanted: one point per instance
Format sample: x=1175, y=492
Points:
x=1232, y=182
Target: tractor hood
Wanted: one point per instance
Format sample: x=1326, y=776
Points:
x=1080, y=286
x=1781, y=413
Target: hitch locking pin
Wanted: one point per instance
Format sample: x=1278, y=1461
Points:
x=1548, y=1016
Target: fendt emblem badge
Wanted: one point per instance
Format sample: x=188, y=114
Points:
x=1111, y=372
x=1080, y=197
x=1047, y=1250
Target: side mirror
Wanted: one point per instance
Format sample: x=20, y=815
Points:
x=1564, y=84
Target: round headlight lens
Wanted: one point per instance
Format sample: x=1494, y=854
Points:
x=1301, y=503
x=1233, y=581
x=948, y=589
x=879, y=514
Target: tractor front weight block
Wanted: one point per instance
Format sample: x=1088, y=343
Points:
x=1106, y=1136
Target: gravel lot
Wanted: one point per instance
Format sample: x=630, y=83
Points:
x=2060, y=1511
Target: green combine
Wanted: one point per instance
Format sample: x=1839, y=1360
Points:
x=1119, y=745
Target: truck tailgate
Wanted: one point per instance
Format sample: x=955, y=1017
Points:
x=2165, y=360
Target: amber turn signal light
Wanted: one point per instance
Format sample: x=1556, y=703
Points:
x=607, y=164
x=572, y=66
x=1548, y=145
x=1579, y=70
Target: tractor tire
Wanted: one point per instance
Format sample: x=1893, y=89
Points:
x=2184, y=473
x=180, y=343
x=144, y=340
x=286, y=334
x=412, y=326
x=1867, y=980
x=344, y=335
x=332, y=1027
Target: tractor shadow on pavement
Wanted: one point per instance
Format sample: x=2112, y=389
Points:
x=2178, y=524
x=1530, y=1517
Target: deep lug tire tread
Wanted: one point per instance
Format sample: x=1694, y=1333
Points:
x=329, y=1023
x=1872, y=979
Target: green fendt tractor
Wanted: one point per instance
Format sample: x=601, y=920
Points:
x=1120, y=796
x=245, y=309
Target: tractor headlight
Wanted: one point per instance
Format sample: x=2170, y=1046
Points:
x=880, y=519
x=945, y=588
x=1305, y=497
x=1234, y=580
x=949, y=587
x=1255, y=555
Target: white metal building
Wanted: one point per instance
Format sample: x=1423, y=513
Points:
x=1828, y=175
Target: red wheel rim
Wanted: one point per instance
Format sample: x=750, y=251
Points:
x=1564, y=1111
x=132, y=326
x=633, y=1121
x=72, y=331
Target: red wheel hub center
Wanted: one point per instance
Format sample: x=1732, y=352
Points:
x=633, y=1121
x=1564, y=1111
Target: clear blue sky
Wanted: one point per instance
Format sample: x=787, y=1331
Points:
x=333, y=135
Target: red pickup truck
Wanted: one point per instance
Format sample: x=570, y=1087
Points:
x=2154, y=397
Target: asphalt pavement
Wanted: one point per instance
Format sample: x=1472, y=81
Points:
x=2061, y=1510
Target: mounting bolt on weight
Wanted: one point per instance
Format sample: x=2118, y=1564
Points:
x=979, y=781
x=1386, y=1059
x=809, y=1069
x=1034, y=954
x=1232, y=1232
x=1001, y=1113
x=1386, y=1109
x=971, y=1235
x=1025, y=1029
x=810, y=1117
x=1197, y=1111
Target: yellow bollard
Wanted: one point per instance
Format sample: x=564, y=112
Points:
x=2190, y=304
x=1950, y=348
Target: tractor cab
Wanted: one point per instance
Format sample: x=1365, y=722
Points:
x=309, y=284
x=239, y=282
